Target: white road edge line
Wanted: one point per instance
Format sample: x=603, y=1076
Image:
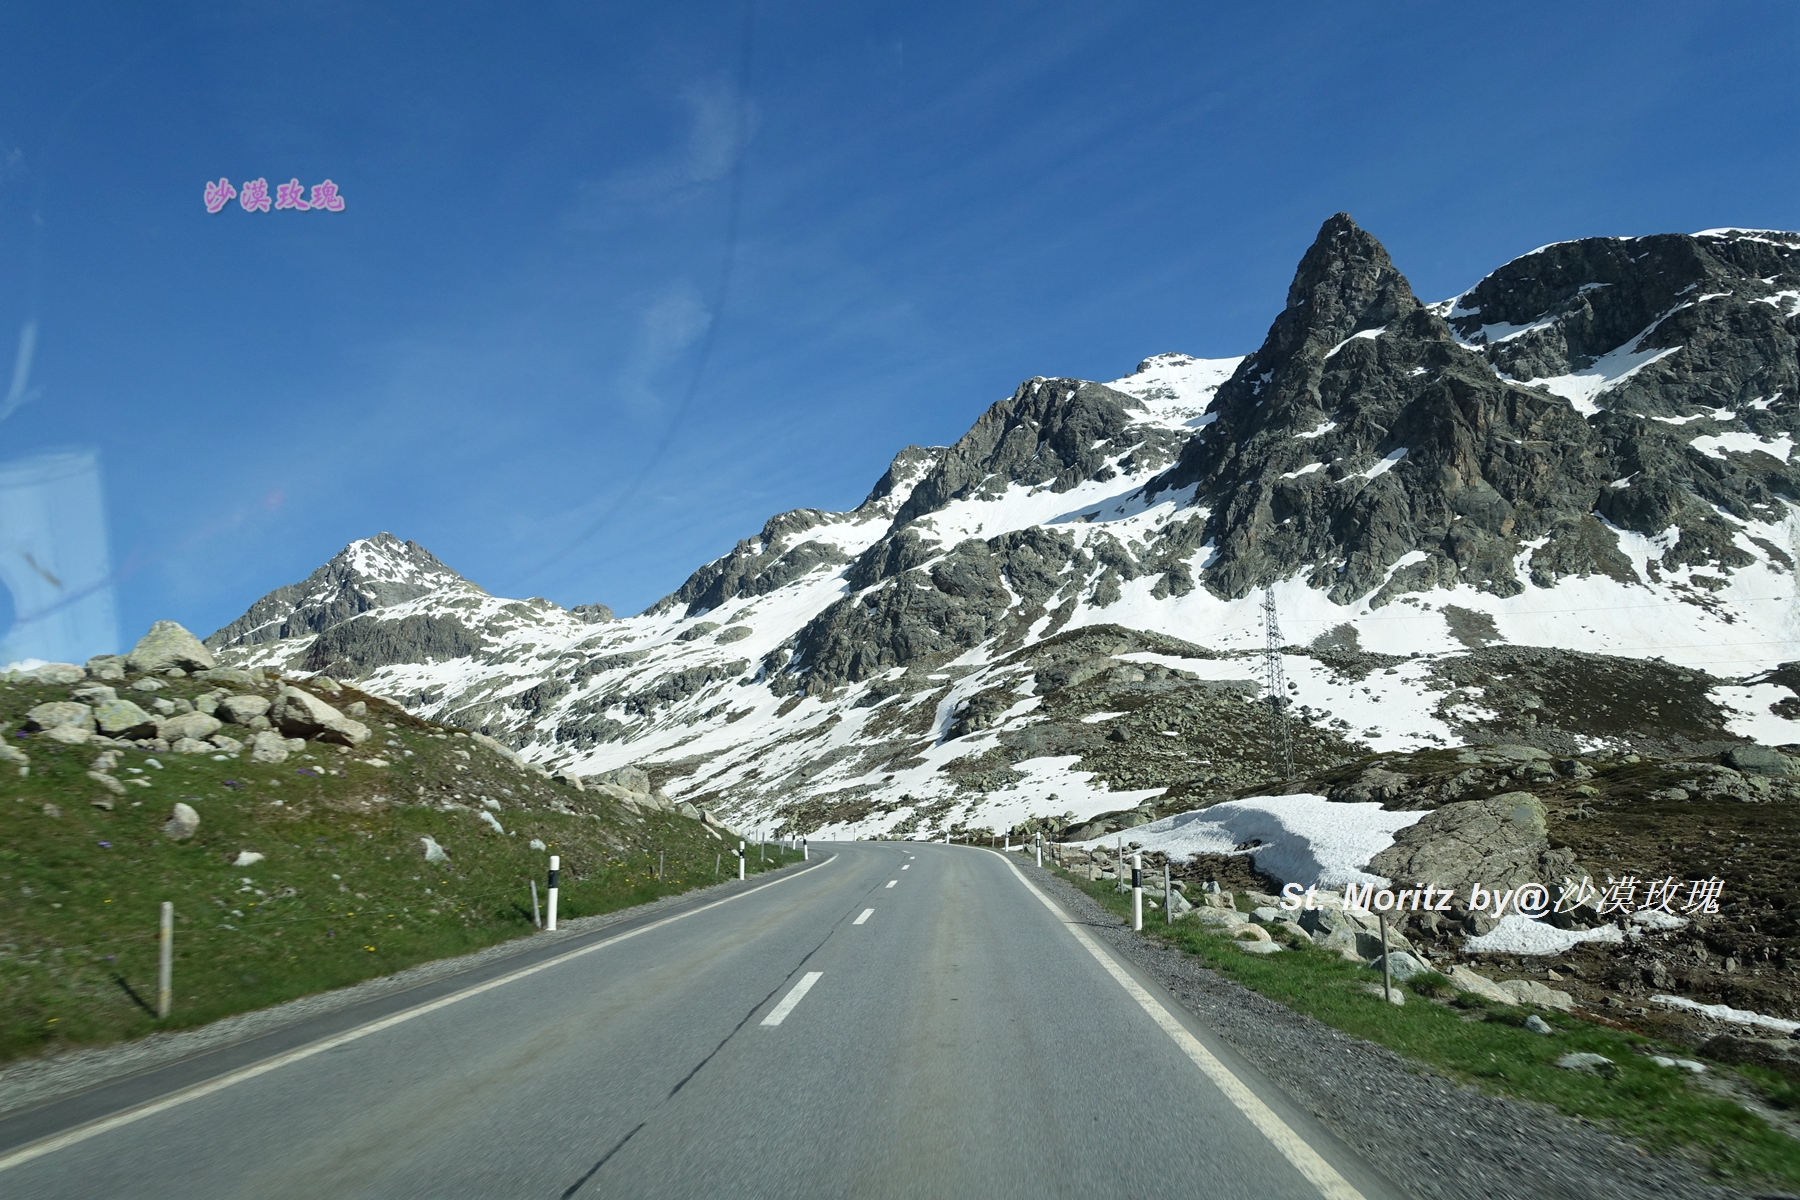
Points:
x=1321, y=1174
x=892, y=882
x=81, y=1133
x=780, y=1012
x=866, y=914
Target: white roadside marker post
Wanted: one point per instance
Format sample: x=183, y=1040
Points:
x=1387, y=981
x=1040, y=849
x=165, y=960
x=537, y=917
x=1168, y=896
x=1008, y=846
x=1137, y=890
x=555, y=868
x=742, y=857
x=803, y=849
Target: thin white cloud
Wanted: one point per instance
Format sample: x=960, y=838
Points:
x=719, y=126
x=669, y=324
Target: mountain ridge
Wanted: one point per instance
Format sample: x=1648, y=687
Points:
x=1451, y=503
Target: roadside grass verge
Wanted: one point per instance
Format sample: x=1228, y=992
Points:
x=1470, y=1041
x=344, y=893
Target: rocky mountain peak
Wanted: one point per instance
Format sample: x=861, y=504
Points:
x=368, y=573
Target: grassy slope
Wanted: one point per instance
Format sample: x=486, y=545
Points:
x=1468, y=1041
x=343, y=895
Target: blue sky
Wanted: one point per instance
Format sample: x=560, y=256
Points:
x=542, y=314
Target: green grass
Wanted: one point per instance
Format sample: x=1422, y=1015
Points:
x=1663, y=1109
x=343, y=895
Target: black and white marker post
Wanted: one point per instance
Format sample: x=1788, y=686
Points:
x=742, y=858
x=1137, y=889
x=165, y=960
x=803, y=849
x=1040, y=849
x=550, y=902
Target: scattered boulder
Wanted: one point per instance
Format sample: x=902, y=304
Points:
x=107, y=781
x=1401, y=965
x=688, y=811
x=60, y=673
x=247, y=858
x=433, y=851
x=231, y=675
x=1760, y=760
x=68, y=735
x=123, y=720
x=241, y=709
x=1466, y=980
x=356, y=709
x=193, y=726
x=1537, y=1024
x=15, y=756
x=1589, y=1064
x=1530, y=991
x=632, y=779
x=182, y=822
x=93, y=693
x=229, y=745
x=326, y=684
x=146, y=684
x=169, y=647
x=268, y=747
x=1396, y=996
x=60, y=712
x=1501, y=840
x=108, y=668
x=189, y=745
x=302, y=715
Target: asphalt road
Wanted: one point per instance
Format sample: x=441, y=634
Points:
x=961, y=1039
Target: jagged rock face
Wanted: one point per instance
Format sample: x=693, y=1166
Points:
x=364, y=575
x=1051, y=432
x=1367, y=428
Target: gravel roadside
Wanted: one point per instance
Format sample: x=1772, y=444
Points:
x=1429, y=1136
x=31, y=1082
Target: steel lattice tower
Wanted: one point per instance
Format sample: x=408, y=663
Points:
x=1281, y=746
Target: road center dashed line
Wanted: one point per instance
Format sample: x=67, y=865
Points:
x=780, y=1012
x=81, y=1133
x=906, y=866
x=866, y=914
x=892, y=882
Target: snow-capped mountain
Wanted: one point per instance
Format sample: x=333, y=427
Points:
x=1558, y=508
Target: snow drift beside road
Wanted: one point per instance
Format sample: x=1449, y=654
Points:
x=1305, y=839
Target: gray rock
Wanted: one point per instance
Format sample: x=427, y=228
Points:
x=1466, y=980
x=108, y=668
x=93, y=693
x=1266, y=916
x=68, y=735
x=12, y=754
x=182, y=822
x=303, y=715
x=231, y=675
x=193, y=726
x=1401, y=965
x=632, y=779
x=433, y=851
x=146, y=685
x=1395, y=996
x=189, y=745
x=1537, y=1024
x=688, y=811
x=1502, y=840
x=1760, y=760
x=268, y=747
x=228, y=745
x=59, y=673
x=1530, y=991
x=240, y=710
x=168, y=646
x=1589, y=1064
x=356, y=709
x=60, y=712
x=123, y=720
